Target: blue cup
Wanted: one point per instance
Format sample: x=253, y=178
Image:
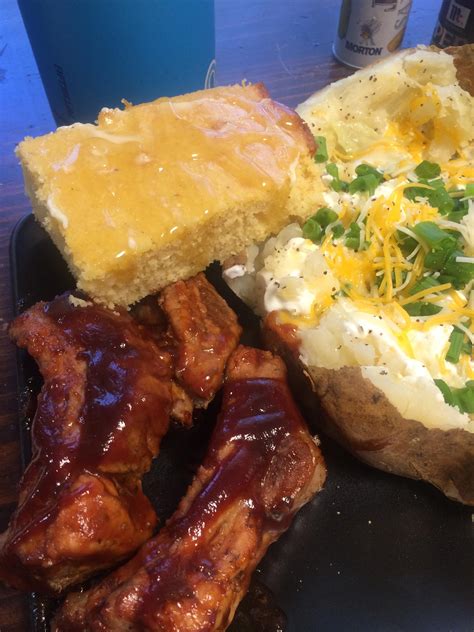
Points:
x=94, y=53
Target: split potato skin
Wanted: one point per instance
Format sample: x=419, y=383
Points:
x=464, y=61
x=352, y=411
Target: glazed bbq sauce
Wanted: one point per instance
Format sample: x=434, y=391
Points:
x=127, y=387
x=257, y=416
x=153, y=320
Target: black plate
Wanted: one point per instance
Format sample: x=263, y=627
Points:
x=372, y=552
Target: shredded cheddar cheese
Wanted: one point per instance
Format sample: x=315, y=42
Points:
x=379, y=276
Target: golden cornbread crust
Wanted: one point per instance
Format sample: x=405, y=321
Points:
x=155, y=192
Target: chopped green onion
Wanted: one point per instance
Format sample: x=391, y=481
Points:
x=469, y=192
x=339, y=185
x=325, y=216
x=336, y=184
x=437, y=197
x=461, y=272
x=367, y=183
x=312, y=230
x=422, y=309
x=413, y=192
x=462, y=398
x=314, y=227
x=446, y=391
x=424, y=284
x=406, y=243
x=436, y=183
x=434, y=237
x=365, y=170
x=461, y=205
x=456, y=341
x=465, y=399
x=456, y=193
x=332, y=169
x=440, y=199
x=338, y=231
x=458, y=273
x=352, y=243
x=321, y=154
x=353, y=236
x=456, y=216
x=427, y=169
x=444, y=278
x=436, y=260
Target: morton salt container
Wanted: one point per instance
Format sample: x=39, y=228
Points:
x=369, y=30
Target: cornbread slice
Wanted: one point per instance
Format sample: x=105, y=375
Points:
x=155, y=192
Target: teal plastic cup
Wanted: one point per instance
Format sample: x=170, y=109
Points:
x=94, y=53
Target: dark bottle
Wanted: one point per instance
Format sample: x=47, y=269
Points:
x=455, y=24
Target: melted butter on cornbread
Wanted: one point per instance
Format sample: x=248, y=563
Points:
x=145, y=180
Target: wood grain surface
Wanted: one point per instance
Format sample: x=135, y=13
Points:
x=284, y=43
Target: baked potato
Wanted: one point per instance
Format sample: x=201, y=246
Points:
x=371, y=301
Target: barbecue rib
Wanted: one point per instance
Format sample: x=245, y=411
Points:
x=206, y=331
x=100, y=417
x=195, y=324
x=108, y=393
x=262, y=465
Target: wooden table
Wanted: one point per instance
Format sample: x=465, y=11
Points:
x=285, y=43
